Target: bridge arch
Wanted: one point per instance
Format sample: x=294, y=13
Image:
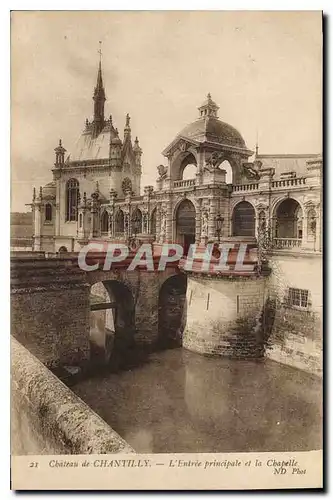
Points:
x=172, y=311
x=112, y=323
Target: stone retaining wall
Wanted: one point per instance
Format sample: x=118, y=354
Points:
x=224, y=316
x=48, y=418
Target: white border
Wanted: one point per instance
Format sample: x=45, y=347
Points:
x=326, y=6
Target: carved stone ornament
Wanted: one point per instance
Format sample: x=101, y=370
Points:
x=162, y=171
x=182, y=146
x=126, y=185
x=214, y=160
x=250, y=171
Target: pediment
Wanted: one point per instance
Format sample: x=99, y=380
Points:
x=180, y=143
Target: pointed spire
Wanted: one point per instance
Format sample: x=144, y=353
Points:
x=136, y=147
x=99, y=97
x=127, y=129
x=34, y=194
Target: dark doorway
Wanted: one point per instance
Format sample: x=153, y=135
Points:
x=185, y=224
x=172, y=311
x=243, y=219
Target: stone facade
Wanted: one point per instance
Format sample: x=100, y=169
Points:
x=235, y=194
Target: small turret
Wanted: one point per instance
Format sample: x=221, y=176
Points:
x=60, y=155
x=137, y=151
x=209, y=108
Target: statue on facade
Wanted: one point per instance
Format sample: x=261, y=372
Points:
x=213, y=161
x=204, y=224
x=162, y=171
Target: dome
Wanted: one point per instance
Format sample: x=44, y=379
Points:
x=212, y=129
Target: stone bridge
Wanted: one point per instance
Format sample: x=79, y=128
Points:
x=53, y=310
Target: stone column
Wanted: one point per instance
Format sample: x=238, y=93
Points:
x=158, y=220
x=212, y=219
x=168, y=234
x=304, y=243
x=37, y=235
x=198, y=210
x=94, y=210
x=58, y=205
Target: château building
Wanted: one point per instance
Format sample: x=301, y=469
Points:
x=212, y=188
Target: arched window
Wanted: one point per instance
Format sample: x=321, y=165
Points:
x=105, y=222
x=136, y=221
x=243, y=219
x=189, y=172
x=80, y=220
x=62, y=250
x=48, y=212
x=288, y=220
x=119, y=222
x=153, y=222
x=225, y=165
x=72, y=199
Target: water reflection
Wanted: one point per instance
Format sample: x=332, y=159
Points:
x=184, y=402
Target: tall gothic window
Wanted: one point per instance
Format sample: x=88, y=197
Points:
x=72, y=199
x=48, y=212
x=119, y=223
x=105, y=222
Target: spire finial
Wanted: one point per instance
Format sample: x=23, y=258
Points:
x=100, y=52
x=257, y=144
x=128, y=118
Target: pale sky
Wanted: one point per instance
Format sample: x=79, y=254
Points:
x=262, y=68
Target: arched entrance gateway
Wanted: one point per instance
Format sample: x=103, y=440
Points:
x=185, y=224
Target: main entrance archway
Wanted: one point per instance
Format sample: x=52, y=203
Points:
x=185, y=224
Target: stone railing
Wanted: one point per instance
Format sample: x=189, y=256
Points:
x=246, y=187
x=298, y=181
x=48, y=418
x=184, y=183
x=287, y=242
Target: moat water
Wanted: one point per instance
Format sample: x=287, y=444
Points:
x=179, y=401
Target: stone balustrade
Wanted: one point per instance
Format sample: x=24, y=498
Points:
x=184, y=183
x=287, y=242
x=297, y=181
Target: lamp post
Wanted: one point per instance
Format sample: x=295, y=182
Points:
x=219, y=223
